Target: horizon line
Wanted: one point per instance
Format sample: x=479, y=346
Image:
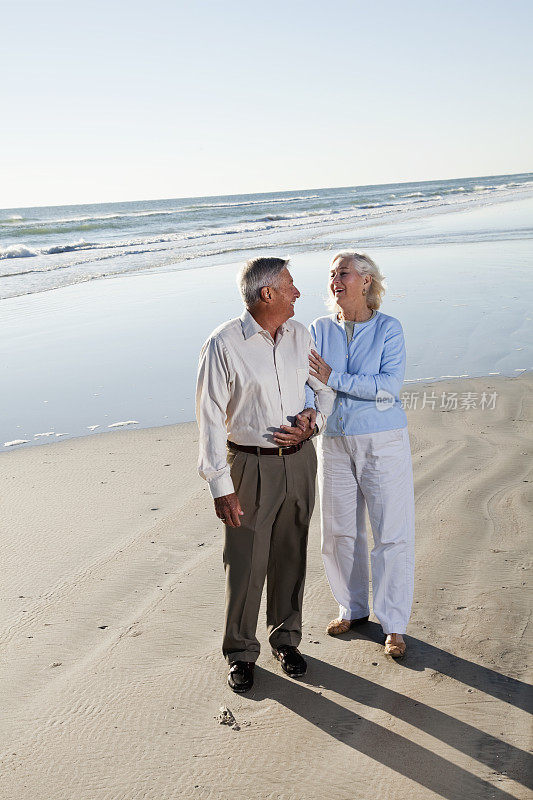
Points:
x=277, y=191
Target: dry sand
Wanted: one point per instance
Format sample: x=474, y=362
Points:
x=111, y=614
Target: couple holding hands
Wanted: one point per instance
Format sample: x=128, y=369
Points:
x=266, y=387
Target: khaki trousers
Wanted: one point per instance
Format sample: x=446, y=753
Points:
x=277, y=495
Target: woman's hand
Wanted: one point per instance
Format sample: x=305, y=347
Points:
x=306, y=420
x=318, y=367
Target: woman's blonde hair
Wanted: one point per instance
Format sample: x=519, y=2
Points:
x=364, y=265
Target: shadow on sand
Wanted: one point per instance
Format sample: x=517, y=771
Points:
x=393, y=750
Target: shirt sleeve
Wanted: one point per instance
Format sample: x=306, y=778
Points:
x=309, y=397
x=389, y=378
x=213, y=391
x=324, y=396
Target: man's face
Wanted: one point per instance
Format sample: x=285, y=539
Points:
x=285, y=295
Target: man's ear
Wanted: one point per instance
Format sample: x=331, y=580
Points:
x=266, y=294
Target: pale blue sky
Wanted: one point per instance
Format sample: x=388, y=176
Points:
x=130, y=100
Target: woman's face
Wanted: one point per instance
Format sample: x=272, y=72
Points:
x=345, y=283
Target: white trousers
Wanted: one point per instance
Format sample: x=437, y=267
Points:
x=372, y=470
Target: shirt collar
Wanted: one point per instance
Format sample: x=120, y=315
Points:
x=341, y=323
x=250, y=327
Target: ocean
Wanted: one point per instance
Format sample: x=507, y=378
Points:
x=104, y=308
x=51, y=247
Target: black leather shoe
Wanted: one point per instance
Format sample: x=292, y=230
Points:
x=241, y=676
x=291, y=660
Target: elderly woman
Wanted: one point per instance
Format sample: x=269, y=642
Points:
x=364, y=457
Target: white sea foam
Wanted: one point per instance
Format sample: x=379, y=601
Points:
x=119, y=424
x=18, y=251
x=241, y=203
x=24, y=251
x=16, y=441
x=66, y=248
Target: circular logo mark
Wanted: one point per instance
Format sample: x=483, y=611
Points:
x=384, y=400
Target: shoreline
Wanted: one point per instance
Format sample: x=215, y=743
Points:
x=421, y=385
x=112, y=609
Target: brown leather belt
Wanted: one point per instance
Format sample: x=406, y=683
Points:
x=265, y=451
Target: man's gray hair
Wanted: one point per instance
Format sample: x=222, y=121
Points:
x=257, y=273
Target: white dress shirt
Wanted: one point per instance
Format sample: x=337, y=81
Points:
x=248, y=386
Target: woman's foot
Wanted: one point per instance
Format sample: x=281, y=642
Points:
x=395, y=645
x=339, y=625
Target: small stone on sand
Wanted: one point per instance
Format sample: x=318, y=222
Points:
x=225, y=717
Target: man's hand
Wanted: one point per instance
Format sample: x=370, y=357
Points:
x=306, y=420
x=228, y=509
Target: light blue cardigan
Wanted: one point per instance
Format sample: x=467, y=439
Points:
x=367, y=374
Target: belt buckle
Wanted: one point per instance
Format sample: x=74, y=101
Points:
x=280, y=451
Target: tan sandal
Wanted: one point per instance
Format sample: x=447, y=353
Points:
x=339, y=625
x=394, y=648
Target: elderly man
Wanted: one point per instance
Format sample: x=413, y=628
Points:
x=253, y=382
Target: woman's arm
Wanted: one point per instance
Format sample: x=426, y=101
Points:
x=366, y=386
